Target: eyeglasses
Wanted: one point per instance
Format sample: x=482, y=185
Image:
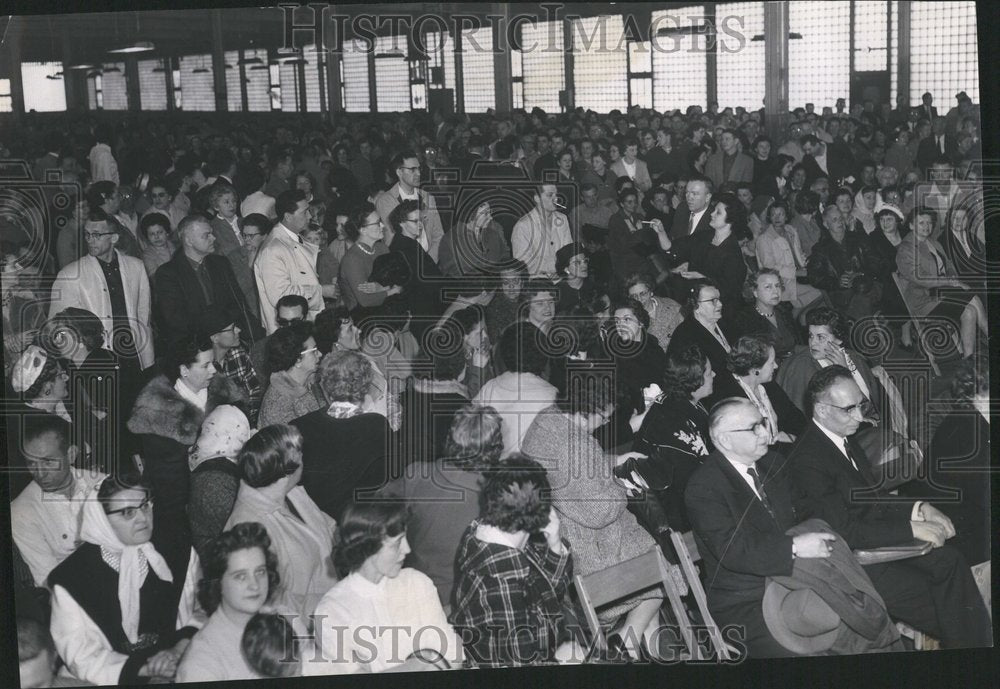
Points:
x=863, y=407
x=288, y=321
x=250, y=235
x=373, y=224
x=759, y=427
x=96, y=235
x=714, y=300
x=410, y=169
x=307, y=351
x=128, y=513
x=641, y=296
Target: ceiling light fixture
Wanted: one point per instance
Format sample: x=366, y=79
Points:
x=82, y=66
x=137, y=47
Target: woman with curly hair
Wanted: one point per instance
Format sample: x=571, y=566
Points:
x=444, y=495
x=514, y=570
x=301, y=534
x=239, y=576
x=674, y=435
x=385, y=608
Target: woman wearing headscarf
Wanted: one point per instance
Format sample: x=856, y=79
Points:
x=215, y=476
x=122, y=613
x=864, y=208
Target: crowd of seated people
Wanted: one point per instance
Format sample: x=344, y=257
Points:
x=338, y=371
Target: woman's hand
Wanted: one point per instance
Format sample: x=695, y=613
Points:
x=835, y=354
x=162, y=664
x=370, y=288
x=551, y=532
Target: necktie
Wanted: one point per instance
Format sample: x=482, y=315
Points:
x=850, y=456
x=759, y=486
x=691, y=224
x=940, y=141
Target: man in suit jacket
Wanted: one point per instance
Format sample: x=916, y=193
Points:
x=196, y=278
x=407, y=167
x=728, y=164
x=926, y=109
x=287, y=265
x=692, y=213
x=825, y=160
x=934, y=593
x=933, y=146
x=740, y=506
x=112, y=286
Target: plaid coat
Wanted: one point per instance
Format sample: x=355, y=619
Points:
x=507, y=603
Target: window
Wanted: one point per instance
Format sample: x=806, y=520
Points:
x=680, y=66
x=315, y=70
x=819, y=65
x=275, y=90
x=290, y=92
x=196, y=83
x=944, y=52
x=740, y=65
x=354, y=76
x=517, y=78
x=234, y=94
x=392, y=74
x=599, y=64
x=152, y=85
x=640, y=70
x=441, y=55
x=543, y=64
x=894, y=52
x=871, y=35
x=42, y=93
x=477, y=67
x=6, y=104
x=95, y=98
x=114, y=86
x=258, y=82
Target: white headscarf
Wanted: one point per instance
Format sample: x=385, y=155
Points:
x=863, y=213
x=97, y=529
x=223, y=434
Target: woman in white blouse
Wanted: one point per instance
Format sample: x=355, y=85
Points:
x=381, y=617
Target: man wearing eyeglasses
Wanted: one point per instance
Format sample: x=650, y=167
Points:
x=112, y=286
x=740, y=506
x=407, y=167
x=934, y=593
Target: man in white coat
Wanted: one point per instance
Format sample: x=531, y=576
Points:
x=540, y=233
x=112, y=286
x=287, y=265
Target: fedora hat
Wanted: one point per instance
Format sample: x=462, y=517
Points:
x=799, y=619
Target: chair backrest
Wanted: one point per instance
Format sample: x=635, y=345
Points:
x=598, y=589
x=687, y=554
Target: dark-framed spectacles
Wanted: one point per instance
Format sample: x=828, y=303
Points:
x=760, y=426
x=96, y=235
x=250, y=235
x=714, y=300
x=863, y=407
x=288, y=321
x=411, y=169
x=128, y=513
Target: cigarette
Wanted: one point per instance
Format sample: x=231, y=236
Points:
x=559, y=205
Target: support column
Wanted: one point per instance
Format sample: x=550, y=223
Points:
x=459, y=81
x=74, y=80
x=132, y=83
x=502, y=78
x=712, y=57
x=219, y=63
x=904, y=51
x=372, y=82
x=776, y=77
x=12, y=58
x=569, y=82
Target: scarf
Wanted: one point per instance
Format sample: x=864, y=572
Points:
x=865, y=215
x=134, y=562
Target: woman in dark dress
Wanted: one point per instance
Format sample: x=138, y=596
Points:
x=429, y=403
x=674, y=435
x=575, y=287
x=423, y=288
x=765, y=313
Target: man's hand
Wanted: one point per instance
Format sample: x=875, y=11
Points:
x=621, y=459
x=370, y=288
x=551, y=532
x=936, y=516
x=846, y=280
x=932, y=532
x=813, y=544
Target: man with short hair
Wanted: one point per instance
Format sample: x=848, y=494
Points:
x=46, y=516
x=934, y=593
x=548, y=160
x=287, y=265
x=692, y=214
x=112, y=286
x=292, y=308
x=281, y=170
x=197, y=278
x=231, y=358
x=407, y=167
x=104, y=196
x=591, y=210
x=729, y=164
x=935, y=145
x=740, y=507
x=926, y=107
x=540, y=233
x=821, y=159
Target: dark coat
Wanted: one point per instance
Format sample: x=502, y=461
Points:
x=723, y=264
x=691, y=332
x=681, y=216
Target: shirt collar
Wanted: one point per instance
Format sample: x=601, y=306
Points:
x=837, y=440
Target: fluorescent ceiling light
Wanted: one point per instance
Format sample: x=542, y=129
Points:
x=83, y=66
x=137, y=47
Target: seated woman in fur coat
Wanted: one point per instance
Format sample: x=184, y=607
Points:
x=167, y=418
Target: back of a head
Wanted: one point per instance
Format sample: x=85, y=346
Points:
x=520, y=349
x=268, y=646
x=516, y=495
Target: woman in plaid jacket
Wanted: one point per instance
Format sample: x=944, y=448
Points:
x=514, y=571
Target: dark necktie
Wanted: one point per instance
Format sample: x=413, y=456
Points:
x=851, y=457
x=759, y=485
x=691, y=224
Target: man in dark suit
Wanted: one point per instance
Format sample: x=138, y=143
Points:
x=926, y=110
x=934, y=593
x=936, y=145
x=692, y=213
x=196, y=278
x=740, y=506
x=823, y=160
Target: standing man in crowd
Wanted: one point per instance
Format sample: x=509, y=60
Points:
x=407, y=167
x=540, y=233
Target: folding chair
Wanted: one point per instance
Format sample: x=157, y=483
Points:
x=599, y=589
x=688, y=555
x=921, y=333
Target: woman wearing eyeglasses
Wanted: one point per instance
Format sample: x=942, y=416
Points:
x=364, y=229
x=122, y=613
x=701, y=325
x=293, y=358
x=423, y=288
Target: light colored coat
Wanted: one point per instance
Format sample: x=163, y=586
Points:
x=781, y=253
x=642, y=179
x=536, y=244
x=285, y=266
x=386, y=201
x=81, y=284
x=918, y=273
